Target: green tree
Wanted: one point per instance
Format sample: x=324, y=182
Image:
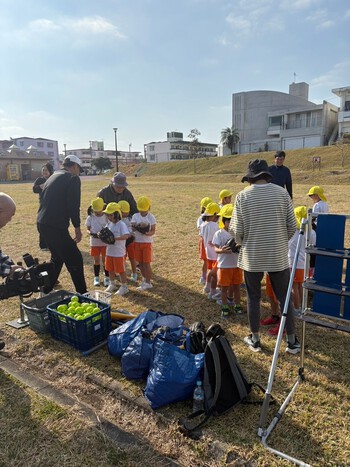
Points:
x=194, y=145
x=102, y=163
x=230, y=137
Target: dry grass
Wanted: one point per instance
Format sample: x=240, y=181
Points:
x=316, y=425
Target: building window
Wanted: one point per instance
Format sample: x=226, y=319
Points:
x=40, y=144
x=275, y=121
x=151, y=148
x=21, y=143
x=152, y=157
x=347, y=106
x=50, y=145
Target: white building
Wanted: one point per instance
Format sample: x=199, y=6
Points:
x=41, y=146
x=175, y=148
x=270, y=120
x=96, y=150
x=344, y=112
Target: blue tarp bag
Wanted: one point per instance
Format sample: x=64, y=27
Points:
x=173, y=374
x=138, y=356
x=119, y=338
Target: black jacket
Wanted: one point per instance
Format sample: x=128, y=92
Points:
x=60, y=200
x=281, y=176
x=108, y=195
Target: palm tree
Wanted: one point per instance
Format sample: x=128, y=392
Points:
x=230, y=137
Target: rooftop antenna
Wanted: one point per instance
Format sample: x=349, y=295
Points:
x=295, y=76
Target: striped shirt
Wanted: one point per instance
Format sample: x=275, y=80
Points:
x=263, y=221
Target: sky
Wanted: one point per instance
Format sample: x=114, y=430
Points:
x=72, y=70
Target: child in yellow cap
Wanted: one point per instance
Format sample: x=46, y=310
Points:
x=230, y=277
x=202, y=256
x=316, y=193
x=94, y=222
x=144, y=227
x=208, y=229
x=225, y=197
x=130, y=245
x=115, y=254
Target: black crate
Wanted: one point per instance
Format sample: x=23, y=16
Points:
x=36, y=310
x=82, y=334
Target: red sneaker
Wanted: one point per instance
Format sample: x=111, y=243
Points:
x=270, y=321
x=274, y=331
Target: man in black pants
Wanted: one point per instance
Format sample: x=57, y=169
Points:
x=281, y=175
x=60, y=205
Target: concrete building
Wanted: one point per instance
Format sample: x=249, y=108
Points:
x=271, y=120
x=344, y=111
x=176, y=148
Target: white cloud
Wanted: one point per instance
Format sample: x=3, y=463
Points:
x=335, y=77
x=239, y=23
x=96, y=25
x=298, y=4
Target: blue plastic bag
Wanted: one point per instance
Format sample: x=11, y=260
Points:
x=138, y=356
x=120, y=338
x=173, y=374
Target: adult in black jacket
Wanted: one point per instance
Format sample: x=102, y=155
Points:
x=281, y=175
x=60, y=205
x=117, y=191
x=46, y=172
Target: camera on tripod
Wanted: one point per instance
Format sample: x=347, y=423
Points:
x=29, y=280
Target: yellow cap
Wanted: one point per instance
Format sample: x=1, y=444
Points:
x=112, y=208
x=205, y=201
x=97, y=204
x=143, y=203
x=317, y=190
x=300, y=213
x=226, y=211
x=212, y=209
x=225, y=194
x=124, y=206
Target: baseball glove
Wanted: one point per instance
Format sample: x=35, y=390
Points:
x=233, y=245
x=106, y=236
x=142, y=228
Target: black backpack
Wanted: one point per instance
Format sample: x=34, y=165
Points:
x=224, y=383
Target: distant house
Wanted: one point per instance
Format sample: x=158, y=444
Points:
x=344, y=111
x=271, y=120
x=96, y=150
x=20, y=160
x=176, y=148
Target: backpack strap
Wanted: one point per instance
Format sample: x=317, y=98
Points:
x=217, y=365
x=235, y=368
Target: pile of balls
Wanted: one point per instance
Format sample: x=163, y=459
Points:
x=76, y=310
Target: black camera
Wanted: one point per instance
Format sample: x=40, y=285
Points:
x=25, y=282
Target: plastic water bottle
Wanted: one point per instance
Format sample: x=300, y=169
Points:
x=198, y=397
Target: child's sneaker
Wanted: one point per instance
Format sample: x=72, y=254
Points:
x=133, y=277
x=206, y=289
x=254, y=346
x=215, y=295
x=293, y=348
x=238, y=309
x=111, y=288
x=106, y=281
x=271, y=320
x=123, y=289
x=225, y=312
x=145, y=286
x=96, y=281
x=202, y=281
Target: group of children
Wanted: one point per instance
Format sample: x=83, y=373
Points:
x=133, y=239
x=219, y=262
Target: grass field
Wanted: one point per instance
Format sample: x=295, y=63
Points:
x=316, y=425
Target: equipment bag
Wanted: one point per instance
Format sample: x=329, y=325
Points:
x=119, y=338
x=173, y=374
x=224, y=383
x=138, y=355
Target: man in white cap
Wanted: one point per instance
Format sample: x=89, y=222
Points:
x=60, y=205
x=117, y=191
